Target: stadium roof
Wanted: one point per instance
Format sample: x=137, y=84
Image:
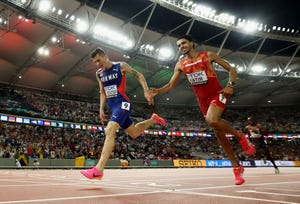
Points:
x=64, y=65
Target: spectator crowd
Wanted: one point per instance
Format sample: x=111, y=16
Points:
x=50, y=142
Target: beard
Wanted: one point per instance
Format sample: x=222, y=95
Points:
x=186, y=52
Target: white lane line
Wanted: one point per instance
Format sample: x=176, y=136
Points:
x=278, y=189
x=235, y=197
x=88, y=183
x=79, y=197
x=269, y=193
x=235, y=186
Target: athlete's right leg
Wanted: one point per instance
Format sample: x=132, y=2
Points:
x=213, y=118
x=109, y=143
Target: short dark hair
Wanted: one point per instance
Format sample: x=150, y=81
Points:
x=187, y=37
x=98, y=51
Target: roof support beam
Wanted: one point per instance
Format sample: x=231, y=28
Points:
x=256, y=53
x=238, y=49
x=97, y=15
x=171, y=31
x=139, y=13
x=290, y=61
x=278, y=51
x=145, y=26
x=225, y=39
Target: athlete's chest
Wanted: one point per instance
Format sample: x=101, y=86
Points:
x=197, y=70
x=111, y=75
x=194, y=65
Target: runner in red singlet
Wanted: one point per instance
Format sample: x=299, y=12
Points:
x=211, y=96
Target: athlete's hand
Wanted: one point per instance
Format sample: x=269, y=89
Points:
x=153, y=92
x=102, y=117
x=149, y=97
x=227, y=91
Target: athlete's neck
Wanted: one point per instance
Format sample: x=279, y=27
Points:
x=192, y=54
x=108, y=65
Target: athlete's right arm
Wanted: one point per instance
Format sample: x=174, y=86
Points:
x=172, y=83
x=102, y=99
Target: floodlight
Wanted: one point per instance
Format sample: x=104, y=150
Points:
x=54, y=39
x=81, y=26
x=44, y=6
x=43, y=51
x=250, y=26
x=113, y=37
x=59, y=12
x=165, y=53
x=258, y=68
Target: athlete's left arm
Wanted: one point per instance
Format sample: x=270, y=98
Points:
x=126, y=68
x=213, y=57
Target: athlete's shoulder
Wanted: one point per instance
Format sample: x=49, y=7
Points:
x=178, y=66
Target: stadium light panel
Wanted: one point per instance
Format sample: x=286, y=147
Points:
x=59, y=12
x=81, y=26
x=250, y=26
x=113, y=37
x=258, y=68
x=44, y=6
x=43, y=51
x=165, y=53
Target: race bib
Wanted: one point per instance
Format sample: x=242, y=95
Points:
x=222, y=98
x=111, y=91
x=197, y=78
x=125, y=106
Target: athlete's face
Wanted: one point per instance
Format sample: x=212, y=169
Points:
x=100, y=60
x=184, y=45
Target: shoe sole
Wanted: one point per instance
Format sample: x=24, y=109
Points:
x=243, y=181
x=93, y=178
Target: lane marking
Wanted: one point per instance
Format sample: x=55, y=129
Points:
x=79, y=197
x=276, y=189
x=236, y=197
x=235, y=186
x=269, y=193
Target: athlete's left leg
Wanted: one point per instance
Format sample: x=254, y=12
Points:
x=134, y=130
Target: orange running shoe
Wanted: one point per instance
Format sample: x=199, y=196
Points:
x=238, y=173
x=92, y=173
x=247, y=146
x=159, y=120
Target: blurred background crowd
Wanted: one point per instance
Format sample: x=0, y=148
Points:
x=50, y=142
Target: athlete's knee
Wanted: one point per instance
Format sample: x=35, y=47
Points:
x=215, y=124
x=110, y=134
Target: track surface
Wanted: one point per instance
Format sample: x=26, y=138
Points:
x=147, y=186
